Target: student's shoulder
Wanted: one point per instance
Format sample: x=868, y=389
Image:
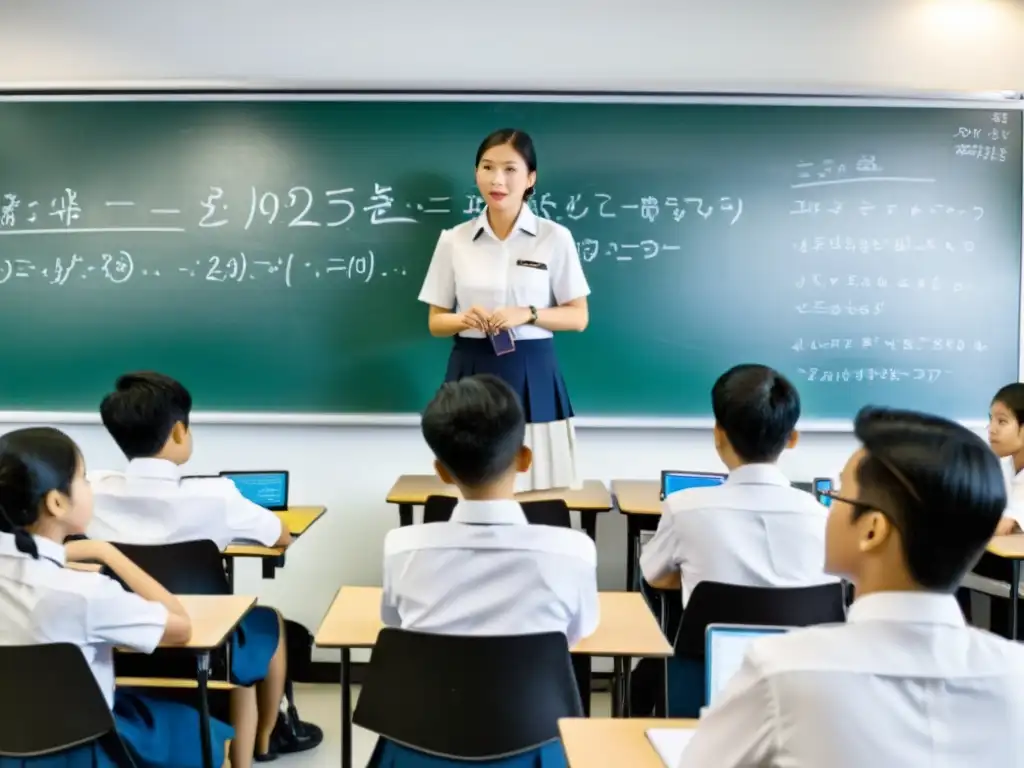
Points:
x=220, y=487
x=567, y=542
x=101, y=478
x=693, y=499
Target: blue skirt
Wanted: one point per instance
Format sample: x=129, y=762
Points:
x=387, y=754
x=156, y=733
x=253, y=645
x=531, y=370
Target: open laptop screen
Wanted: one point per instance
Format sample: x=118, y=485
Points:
x=268, y=489
x=726, y=646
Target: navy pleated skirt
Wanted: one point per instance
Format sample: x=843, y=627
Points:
x=531, y=370
x=157, y=734
x=387, y=754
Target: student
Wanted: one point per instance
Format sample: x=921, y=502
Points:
x=756, y=529
x=905, y=682
x=44, y=498
x=486, y=571
x=1006, y=436
x=150, y=503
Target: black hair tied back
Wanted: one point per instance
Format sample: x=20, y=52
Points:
x=33, y=463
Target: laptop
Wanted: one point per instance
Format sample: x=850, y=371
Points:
x=678, y=480
x=268, y=488
x=725, y=647
x=821, y=486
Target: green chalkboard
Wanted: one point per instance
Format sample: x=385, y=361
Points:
x=268, y=251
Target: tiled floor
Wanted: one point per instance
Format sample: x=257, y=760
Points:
x=321, y=704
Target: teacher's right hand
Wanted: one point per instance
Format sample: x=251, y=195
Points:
x=477, y=317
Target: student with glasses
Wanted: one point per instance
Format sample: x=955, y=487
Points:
x=905, y=682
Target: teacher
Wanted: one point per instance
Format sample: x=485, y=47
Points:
x=510, y=271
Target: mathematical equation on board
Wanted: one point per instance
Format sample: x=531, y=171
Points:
x=862, y=293
x=121, y=266
x=301, y=207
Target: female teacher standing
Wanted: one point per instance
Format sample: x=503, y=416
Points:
x=510, y=271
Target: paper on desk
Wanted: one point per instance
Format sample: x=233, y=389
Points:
x=669, y=743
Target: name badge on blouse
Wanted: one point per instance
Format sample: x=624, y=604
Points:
x=532, y=264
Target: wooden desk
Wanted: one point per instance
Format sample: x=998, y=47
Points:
x=640, y=502
x=412, y=491
x=627, y=629
x=608, y=743
x=1010, y=548
x=298, y=520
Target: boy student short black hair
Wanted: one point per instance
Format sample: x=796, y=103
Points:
x=758, y=409
x=938, y=483
x=475, y=427
x=142, y=410
x=1012, y=396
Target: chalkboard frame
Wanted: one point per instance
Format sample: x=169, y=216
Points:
x=172, y=92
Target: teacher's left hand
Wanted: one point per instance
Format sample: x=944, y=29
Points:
x=508, y=317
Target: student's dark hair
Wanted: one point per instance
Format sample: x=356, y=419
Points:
x=475, y=427
x=940, y=485
x=33, y=462
x=758, y=409
x=142, y=410
x=1012, y=396
x=520, y=141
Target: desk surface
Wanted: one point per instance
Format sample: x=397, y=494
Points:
x=1011, y=547
x=638, y=497
x=214, y=617
x=613, y=743
x=414, y=489
x=297, y=519
x=627, y=628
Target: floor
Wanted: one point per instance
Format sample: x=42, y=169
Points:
x=321, y=704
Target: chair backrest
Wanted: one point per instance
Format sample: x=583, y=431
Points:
x=716, y=603
x=52, y=703
x=548, y=512
x=469, y=698
x=185, y=568
x=438, y=509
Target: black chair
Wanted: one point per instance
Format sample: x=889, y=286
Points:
x=554, y=512
x=185, y=568
x=438, y=509
x=468, y=698
x=715, y=603
x=53, y=704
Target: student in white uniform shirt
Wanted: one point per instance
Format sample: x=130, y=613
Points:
x=905, y=682
x=44, y=498
x=1006, y=436
x=509, y=270
x=487, y=571
x=150, y=503
x=755, y=529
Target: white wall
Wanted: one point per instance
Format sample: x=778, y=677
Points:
x=766, y=45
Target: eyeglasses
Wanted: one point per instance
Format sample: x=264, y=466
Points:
x=864, y=506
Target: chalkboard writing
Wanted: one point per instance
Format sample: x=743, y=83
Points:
x=870, y=253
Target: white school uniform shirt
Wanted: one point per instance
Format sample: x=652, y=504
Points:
x=536, y=265
x=489, y=572
x=754, y=530
x=1014, y=494
x=150, y=503
x=904, y=683
x=41, y=602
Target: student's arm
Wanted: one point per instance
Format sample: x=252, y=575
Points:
x=737, y=731
x=249, y=521
x=588, y=608
x=659, y=560
x=120, y=617
x=389, y=615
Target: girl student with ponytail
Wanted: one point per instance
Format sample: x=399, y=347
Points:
x=45, y=498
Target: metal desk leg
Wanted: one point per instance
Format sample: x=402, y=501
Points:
x=203, y=677
x=346, y=708
x=405, y=514
x=627, y=687
x=1014, y=597
x=632, y=553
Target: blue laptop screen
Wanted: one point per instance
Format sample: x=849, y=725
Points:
x=681, y=481
x=268, y=489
